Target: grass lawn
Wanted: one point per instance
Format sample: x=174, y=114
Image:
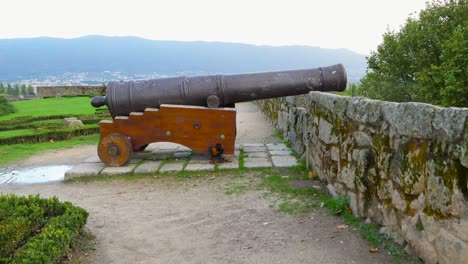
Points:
x=52, y=106
x=12, y=153
x=16, y=132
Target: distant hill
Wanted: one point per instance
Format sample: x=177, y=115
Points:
x=35, y=57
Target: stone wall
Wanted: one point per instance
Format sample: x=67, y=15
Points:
x=53, y=91
x=403, y=165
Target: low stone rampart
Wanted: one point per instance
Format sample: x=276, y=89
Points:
x=54, y=91
x=403, y=165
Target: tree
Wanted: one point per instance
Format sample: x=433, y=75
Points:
x=16, y=90
x=24, y=89
x=9, y=90
x=2, y=88
x=426, y=60
x=30, y=89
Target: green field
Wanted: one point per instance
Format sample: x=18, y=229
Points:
x=52, y=106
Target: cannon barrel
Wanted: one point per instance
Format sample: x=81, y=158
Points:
x=124, y=97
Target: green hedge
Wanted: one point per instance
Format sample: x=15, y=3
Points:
x=46, y=123
x=36, y=230
x=56, y=135
x=24, y=122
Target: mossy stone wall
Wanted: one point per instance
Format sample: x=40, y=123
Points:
x=403, y=165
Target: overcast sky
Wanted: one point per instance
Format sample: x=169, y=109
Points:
x=353, y=24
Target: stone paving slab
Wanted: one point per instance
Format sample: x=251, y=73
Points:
x=199, y=167
x=284, y=161
x=232, y=164
x=122, y=170
x=172, y=166
x=148, y=166
x=83, y=170
x=254, y=149
x=257, y=155
x=92, y=159
x=280, y=152
x=257, y=163
x=253, y=145
x=277, y=146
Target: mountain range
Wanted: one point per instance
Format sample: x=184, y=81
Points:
x=25, y=58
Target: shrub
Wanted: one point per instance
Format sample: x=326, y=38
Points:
x=36, y=230
x=6, y=107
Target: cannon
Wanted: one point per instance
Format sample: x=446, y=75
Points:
x=197, y=112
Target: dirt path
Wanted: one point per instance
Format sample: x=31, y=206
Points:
x=192, y=220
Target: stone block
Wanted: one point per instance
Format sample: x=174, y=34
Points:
x=148, y=167
x=410, y=119
x=353, y=203
x=335, y=153
x=73, y=122
x=334, y=103
x=450, y=122
x=438, y=195
x=291, y=100
x=325, y=132
x=390, y=219
x=332, y=190
x=362, y=139
x=413, y=183
x=385, y=190
x=283, y=121
x=84, y=170
x=347, y=177
x=418, y=204
x=284, y=161
x=460, y=228
x=257, y=163
x=398, y=201
x=364, y=110
x=122, y=170
x=451, y=249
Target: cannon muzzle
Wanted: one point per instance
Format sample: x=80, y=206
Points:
x=124, y=97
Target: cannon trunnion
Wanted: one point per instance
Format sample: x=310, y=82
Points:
x=195, y=111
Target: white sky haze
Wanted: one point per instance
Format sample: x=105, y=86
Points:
x=357, y=25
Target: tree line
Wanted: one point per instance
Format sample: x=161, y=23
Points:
x=16, y=89
x=425, y=61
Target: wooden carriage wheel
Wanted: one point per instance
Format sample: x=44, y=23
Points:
x=115, y=149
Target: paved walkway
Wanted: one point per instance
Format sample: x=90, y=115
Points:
x=173, y=158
